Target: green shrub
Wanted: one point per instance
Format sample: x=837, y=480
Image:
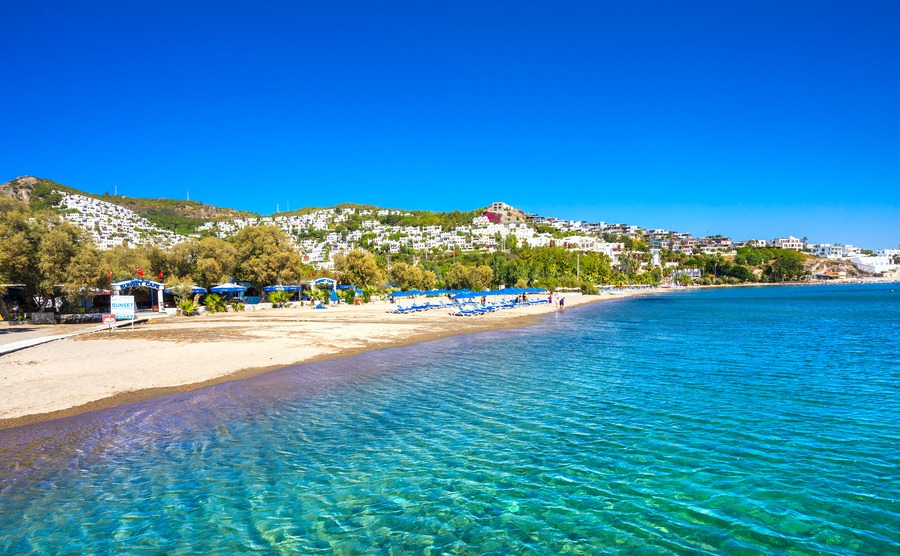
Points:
x=279, y=299
x=348, y=296
x=187, y=307
x=214, y=303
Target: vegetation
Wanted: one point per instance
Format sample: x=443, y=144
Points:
x=53, y=259
x=279, y=299
x=214, y=303
x=46, y=255
x=187, y=307
x=266, y=255
x=358, y=268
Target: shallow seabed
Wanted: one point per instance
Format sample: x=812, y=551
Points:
x=740, y=421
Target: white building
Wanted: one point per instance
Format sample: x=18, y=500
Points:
x=874, y=264
x=789, y=242
x=827, y=251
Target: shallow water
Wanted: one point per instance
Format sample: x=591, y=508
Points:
x=745, y=421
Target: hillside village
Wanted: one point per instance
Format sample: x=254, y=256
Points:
x=321, y=234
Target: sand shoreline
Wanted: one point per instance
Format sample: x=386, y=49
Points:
x=97, y=371
x=91, y=372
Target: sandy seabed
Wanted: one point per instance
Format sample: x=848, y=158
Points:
x=93, y=371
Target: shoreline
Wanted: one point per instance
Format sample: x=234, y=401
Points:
x=60, y=379
x=50, y=395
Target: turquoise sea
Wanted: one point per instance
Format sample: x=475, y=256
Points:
x=731, y=421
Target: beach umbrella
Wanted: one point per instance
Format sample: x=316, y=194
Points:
x=230, y=287
x=280, y=288
x=194, y=290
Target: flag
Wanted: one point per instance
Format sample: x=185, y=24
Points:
x=314, y=273
x=140, y=272
x=109, y=274
x=159, y=275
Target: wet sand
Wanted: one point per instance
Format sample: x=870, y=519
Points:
x=99, y=370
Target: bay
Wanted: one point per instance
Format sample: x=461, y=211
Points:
x=739, y=421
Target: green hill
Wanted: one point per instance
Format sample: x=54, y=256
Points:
x=178, y=216
x=185, y=217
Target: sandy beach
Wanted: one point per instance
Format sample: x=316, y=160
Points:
x=97, y=370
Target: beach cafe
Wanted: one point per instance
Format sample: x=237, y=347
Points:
x=148, y=295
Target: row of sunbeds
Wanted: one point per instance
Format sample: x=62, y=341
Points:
x=467, y=309
x=417, y=307
x=474, y=309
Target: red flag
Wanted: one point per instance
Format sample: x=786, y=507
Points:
x=140, y=272
x=109, y=274
x=159, y=275
x=314, y=273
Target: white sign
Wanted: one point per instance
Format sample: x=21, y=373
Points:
x=122, y=306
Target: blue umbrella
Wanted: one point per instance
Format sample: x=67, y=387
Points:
x=228, y=288
x=194, y=290
x=280, y=288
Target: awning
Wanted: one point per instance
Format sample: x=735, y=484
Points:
x=230, y=287
x=280, y=288
x=194, y=290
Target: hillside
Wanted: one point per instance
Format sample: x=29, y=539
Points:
x=169, y=214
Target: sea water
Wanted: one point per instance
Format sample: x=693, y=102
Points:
x=738, y=421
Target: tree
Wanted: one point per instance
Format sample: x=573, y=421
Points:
x=45, y=255
x=481, y=277
x=628, y=264
x=357, y=268
x=265, y=255
x=457, y=277
x=4, y=310
x=215, y=262
x=181, y=259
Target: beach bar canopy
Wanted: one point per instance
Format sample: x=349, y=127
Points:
x=280, y=288
x=324, y=282
x=194, y=290
x=230, y=287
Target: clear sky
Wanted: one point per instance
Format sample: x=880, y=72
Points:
x=750, y=119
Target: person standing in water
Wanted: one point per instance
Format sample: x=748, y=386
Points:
x=562, y=303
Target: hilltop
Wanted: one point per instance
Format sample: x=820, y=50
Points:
x=178, y=216
x=186, y=217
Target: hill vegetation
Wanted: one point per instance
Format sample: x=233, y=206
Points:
x=169, y=214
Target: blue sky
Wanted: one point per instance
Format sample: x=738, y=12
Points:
x=754, y=119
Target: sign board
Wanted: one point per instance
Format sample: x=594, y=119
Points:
x=108, y=318
x=122, y=306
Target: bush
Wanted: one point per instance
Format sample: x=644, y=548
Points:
x=187, y=307
x=237, y=307
x=214, y=303
x=349, y=296
x=589, y=289
x=279, y=299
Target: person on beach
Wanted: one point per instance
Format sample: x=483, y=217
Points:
x=562, y=303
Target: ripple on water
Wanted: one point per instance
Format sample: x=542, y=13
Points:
x=737, y=421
